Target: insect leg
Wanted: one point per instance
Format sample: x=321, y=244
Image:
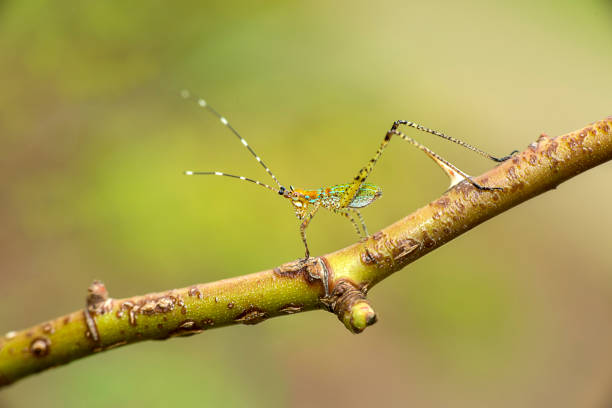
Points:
x=450, y=139
x=346, y=214
x=365, y=229
x=452, y=171
x=304, y=225
x=353, y=188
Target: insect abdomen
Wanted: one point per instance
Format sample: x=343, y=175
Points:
x=366, y=194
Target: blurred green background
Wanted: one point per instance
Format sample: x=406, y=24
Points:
x=94, y=140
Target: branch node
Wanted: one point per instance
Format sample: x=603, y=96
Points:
x=349, y=303
x=96, y=303
x=40, y=347
x=312, y=270
x=97, y=300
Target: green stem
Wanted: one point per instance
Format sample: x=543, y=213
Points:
x=337, y=282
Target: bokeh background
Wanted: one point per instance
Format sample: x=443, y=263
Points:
x=94, y=139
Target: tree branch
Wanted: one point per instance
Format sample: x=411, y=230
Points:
x=337, y=281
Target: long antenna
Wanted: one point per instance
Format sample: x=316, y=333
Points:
x=201, y=102
x=218, y=173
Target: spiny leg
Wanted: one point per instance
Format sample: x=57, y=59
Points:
x=304, y=225
x=365, y=229
x=450, y=139
x=353, y=188
x=452, y=171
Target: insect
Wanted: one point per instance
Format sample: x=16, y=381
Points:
x=346, y=199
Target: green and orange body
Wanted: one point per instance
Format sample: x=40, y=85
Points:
x=331, y=197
